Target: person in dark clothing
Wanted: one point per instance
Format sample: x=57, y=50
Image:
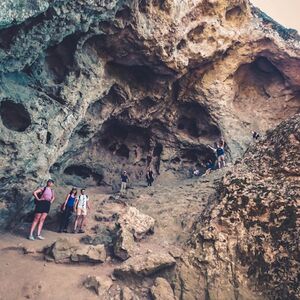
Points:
x=68, y=208
x=220, y=152
x=255, y=135
x=124, y=180
x=209, y=166
x=149, y=177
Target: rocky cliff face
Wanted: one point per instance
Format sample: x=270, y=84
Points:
x=103, y=85
x=252, y=234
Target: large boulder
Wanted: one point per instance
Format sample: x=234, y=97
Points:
x=144, y=265
x=100, y=285
x=132, y=226
x=70, y=250
x=161, y=290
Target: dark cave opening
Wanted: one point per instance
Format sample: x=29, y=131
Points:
x=84, y=172
x=60, y=58
x=14, y=116
x=195, y=120
x=48, y=137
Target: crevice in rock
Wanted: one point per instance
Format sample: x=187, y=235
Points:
x=14, y=116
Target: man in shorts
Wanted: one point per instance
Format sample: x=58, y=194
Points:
x=81, y=207
x=124, y=181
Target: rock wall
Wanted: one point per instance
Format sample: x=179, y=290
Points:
x=107, y=85
x=250, y=239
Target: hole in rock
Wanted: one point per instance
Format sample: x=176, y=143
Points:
x=14, y=116
x=84, y=131
x=48, y=137
x=135, y=74
x=84, y=172
x=262, y=96
x=181, y=44
x=157, y=150
x=148, y=102
x=123, y=151
x=60, y=58
x=195, y=121
x=195, y=35
x=234, y=13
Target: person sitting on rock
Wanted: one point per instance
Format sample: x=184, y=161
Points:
x=82, y=204
x=68, y=208
x=43, y=199
x=209, y=167
x=124, y=181
x=255, y=135
x=149, y=177
x=220, y=152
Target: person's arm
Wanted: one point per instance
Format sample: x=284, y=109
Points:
x=88, y=204
x=213, y=149
x=75, y=204
x=40, y=190
x=53, y=196
x=65, y=203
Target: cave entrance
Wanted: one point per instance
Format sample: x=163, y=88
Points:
x=14, y=116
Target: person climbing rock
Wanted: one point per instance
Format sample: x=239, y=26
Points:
x=82, y=204
x=43, y=199
x=220, y=152
x=124, y=181
x=149, y=177
x=255, y=135
x=68, y=208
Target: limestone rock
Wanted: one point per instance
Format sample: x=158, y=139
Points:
x=127, y=294
x=90, y=253
x=100, y=285
x=70, y=250
x=133, y=225
x=144, y=265
x=162, y=290
x=254, y=227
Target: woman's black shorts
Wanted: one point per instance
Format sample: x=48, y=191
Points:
x=42, y=206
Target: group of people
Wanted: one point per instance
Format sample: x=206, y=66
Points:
x=44, y=197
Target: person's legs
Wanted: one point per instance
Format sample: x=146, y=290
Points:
x=219, y=162
x=82, y=223
x=76, y=223
x=34, y=223
x=62, y=221
x=68, y=217
x=223, y=161
x=41, y=223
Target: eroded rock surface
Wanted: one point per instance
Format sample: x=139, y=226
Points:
x=251, y=237
x=87, y=105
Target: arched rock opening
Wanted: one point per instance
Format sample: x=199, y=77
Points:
x=14, y=116
x=263, y=97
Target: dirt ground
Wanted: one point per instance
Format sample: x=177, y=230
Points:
x=175, y=206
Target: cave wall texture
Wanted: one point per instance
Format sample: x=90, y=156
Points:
x=104, y=85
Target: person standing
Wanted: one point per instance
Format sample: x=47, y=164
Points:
x=82, y=205
x=68, y=208
x=220, y=152
x=149, y=177
x=124, y=181
x=44, y=197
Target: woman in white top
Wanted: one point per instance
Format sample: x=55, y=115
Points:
x=82, y=205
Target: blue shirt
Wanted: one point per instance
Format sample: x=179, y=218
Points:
x=71, y=201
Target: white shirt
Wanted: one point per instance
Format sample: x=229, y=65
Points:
x=82, y=200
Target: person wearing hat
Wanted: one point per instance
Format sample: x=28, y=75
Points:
x=124, y=180
x=44, y=197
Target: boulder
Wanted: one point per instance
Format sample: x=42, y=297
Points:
x=124, y=244
x=162, y=290
x=70, y=250
x=127, y=294
x=137, y=223
x=89, y=253
x=133, y=225
x=144, y=265
x=100, y=285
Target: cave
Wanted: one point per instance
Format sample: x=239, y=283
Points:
x=14, y=116
x=48, y=137
x=195, y=121
x=261, y=94
x=84, y=172
x=60, y=58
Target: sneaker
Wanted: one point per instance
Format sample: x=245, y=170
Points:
x=39, y=237
x=65, y=231
x=74, y=231
x=81, y=231
x=31, y=237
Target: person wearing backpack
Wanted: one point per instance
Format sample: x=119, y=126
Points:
x=43, y=199
x=68, y=208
